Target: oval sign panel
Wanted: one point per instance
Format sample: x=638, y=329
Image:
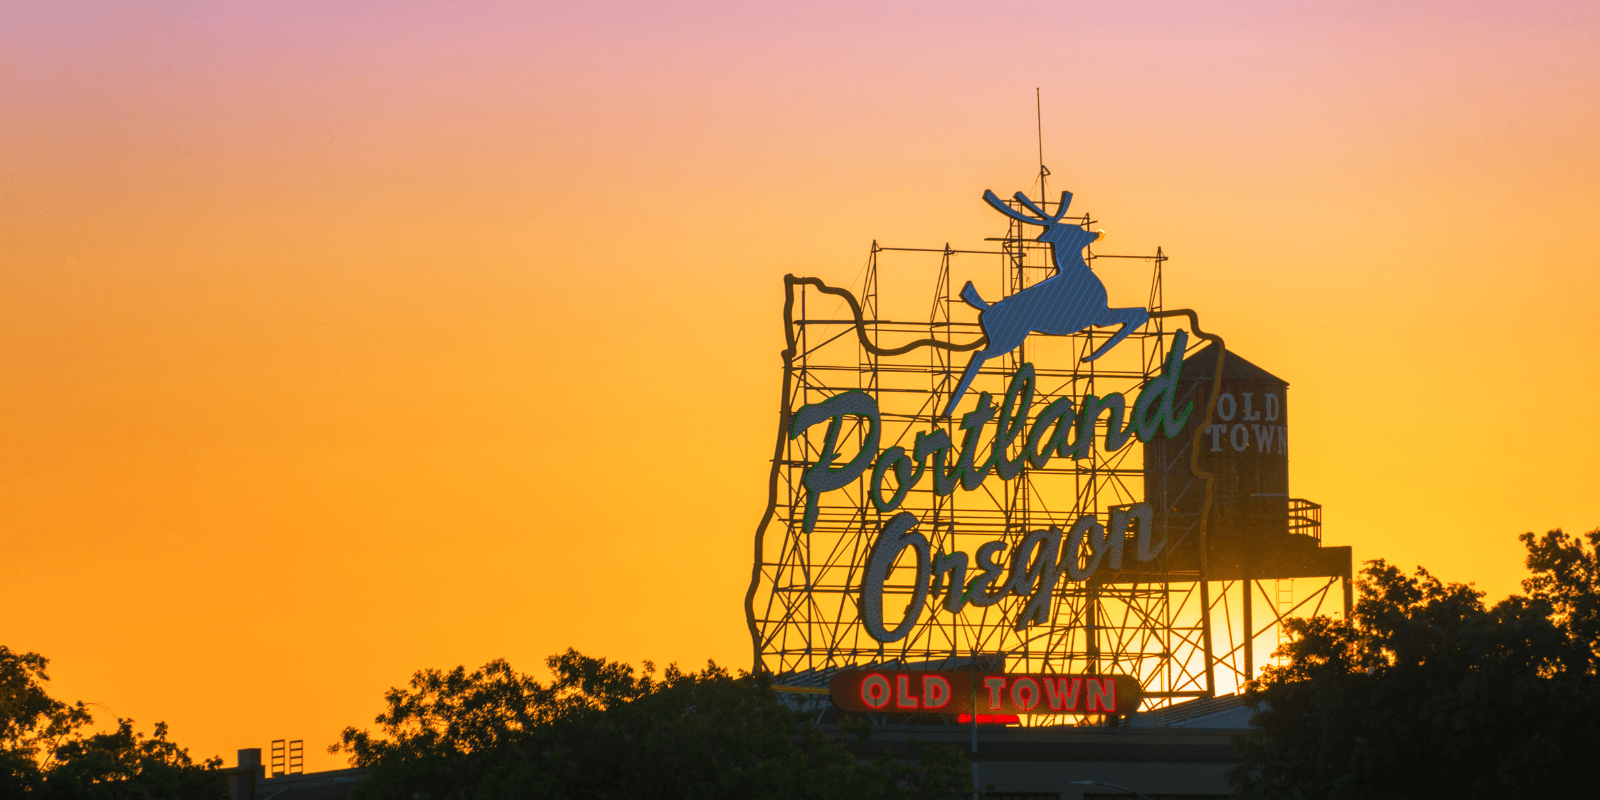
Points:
x=960, y=692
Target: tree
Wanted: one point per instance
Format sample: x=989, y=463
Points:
x=1566, y=575
x=599, y=731
x=1428, y=692
x=48, y=749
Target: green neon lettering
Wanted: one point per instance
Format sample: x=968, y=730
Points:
x=1049, y=429
x=1082, y=445
x=1087, y=530
x=972, y=422
x=1048, y=568
x=978, y=589
x=1152, y=412
x=936, y=444
x=1116, y=437
x=897, y=535
x=906, y=472
x=822, y=476
x=955, y=598
x=1013, y=416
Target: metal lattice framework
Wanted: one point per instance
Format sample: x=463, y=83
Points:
x=1179, y=635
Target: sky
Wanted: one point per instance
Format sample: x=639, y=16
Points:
x=342, y=340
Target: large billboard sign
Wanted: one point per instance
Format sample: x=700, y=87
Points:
x=1017, y=438
x=929, y=510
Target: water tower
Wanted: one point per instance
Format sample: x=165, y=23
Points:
x=1256, y=531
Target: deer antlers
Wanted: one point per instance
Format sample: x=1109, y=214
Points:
x=1043, y=219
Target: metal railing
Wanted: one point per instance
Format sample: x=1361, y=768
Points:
x=1305, y=518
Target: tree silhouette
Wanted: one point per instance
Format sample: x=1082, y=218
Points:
x=48, y=749
x=1426, y=692
x=598, y=730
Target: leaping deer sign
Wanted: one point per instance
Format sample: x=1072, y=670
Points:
x=1062, y=304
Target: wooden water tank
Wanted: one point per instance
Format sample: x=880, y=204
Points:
x=1245, y=447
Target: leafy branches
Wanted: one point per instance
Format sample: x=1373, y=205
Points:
x=1427, y=691
x=46, y=750
x=32, y=724
x=598, y=729
x=1566, y=575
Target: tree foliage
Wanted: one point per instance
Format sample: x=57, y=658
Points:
x=599, y=730
x=1428, y=692
x=48, y=749
x=1566, y=575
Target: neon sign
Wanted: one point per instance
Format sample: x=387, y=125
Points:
x=1058, y=430
x=984, y=693
x=1037, y=563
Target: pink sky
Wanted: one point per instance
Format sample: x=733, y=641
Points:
x=343, y=342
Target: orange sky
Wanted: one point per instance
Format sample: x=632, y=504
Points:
x=342, y=343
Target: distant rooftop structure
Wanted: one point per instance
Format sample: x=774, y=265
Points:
x=248, y=781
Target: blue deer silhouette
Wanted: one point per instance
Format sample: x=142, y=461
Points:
x=1062, y=304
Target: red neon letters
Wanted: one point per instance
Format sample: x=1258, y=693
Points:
x=872, y=690
x=989, y=694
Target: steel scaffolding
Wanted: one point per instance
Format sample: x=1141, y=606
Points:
x=1179, y=634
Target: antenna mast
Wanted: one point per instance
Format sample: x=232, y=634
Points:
x=1038, y=107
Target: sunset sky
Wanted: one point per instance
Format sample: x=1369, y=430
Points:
x=346, y=339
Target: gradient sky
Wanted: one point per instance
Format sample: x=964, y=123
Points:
x=342, y=340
